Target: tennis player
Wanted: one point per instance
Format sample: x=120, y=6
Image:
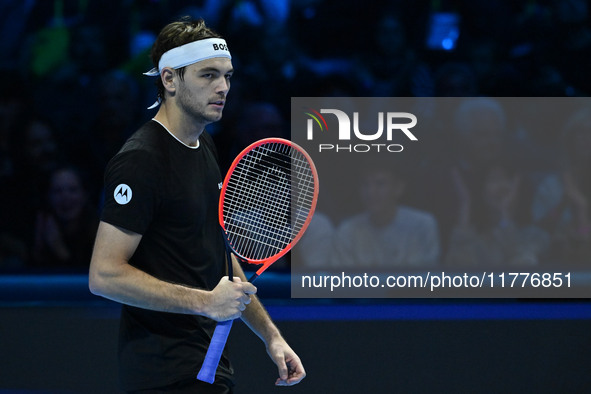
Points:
x=159, y=249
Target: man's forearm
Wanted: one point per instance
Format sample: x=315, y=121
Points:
x=136, y=288
x=111, y=276
x=290, y=368
x=255, y=316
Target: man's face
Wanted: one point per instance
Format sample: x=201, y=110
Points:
x=66, y=195
x=202, y=92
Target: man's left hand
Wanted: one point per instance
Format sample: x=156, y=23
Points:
x=289, y=365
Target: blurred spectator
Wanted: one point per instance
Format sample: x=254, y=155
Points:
x=485, y=67
x=315, y=249
x=270, y=13
x=255, y=121
x=75, y=74
x=563, y=200
x=277, y=66
x=477, y=139
x=12, y=107
x=571, y=46
x=390, y=66
x=13, y=17
x=37, y=154
x=453, y=79
x=46, y=51
x=13, y=251
x=386, y=234
x=65, y=230
x=274, y=63
x=491, y=230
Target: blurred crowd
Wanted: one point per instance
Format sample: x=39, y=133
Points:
x=482, y=193
x=73, y=91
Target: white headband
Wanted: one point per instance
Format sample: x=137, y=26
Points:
x=190, y=53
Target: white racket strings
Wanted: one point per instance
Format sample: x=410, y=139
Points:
x=267, y=200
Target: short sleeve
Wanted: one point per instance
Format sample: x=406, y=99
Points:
x=132, y=190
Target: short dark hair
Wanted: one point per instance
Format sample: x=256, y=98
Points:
x=174, y=35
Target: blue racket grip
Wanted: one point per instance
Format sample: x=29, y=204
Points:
x=214, y=352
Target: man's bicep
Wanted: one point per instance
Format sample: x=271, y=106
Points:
x=113, y=246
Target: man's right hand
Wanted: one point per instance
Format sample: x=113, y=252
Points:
x=228, y=299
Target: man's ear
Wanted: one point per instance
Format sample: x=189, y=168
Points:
x=167, y=76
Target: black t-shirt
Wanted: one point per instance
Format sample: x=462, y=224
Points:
x=168, y=192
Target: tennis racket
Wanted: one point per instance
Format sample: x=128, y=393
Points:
x=267, y=201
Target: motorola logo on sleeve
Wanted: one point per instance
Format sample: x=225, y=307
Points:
x=122, y=194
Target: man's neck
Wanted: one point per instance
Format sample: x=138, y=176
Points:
x=180, y=125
